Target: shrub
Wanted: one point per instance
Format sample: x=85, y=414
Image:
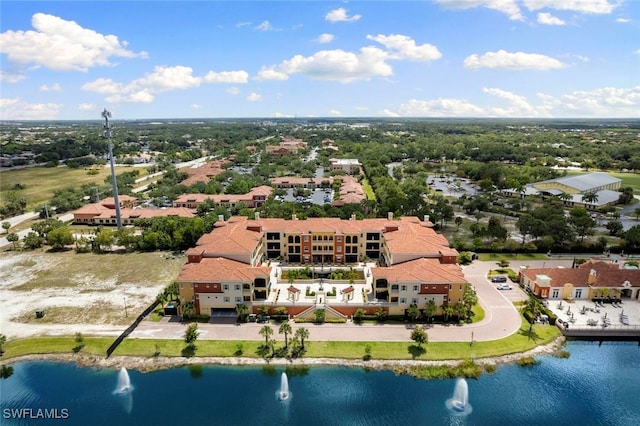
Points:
x=528, y=316
x=527, y=361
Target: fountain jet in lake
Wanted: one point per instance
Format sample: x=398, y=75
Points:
x=124, y=382
x=283, y=392
x=458, y=404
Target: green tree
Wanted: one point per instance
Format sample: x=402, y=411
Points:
x=6, y=226
x=13, y=239
x=3, y=340
x=191, y=334
x=636, y=212
x=582, y=223
x=285, y=328
x=381, y=314
x=32, y=240
x=358, y=315
x=104, y=239
x=413, y=312
x=188, y=309
x=458, y=221
x=58, y=238
x=447, y=310
x=430, y=309
x=533, y=306
x=302, y=333
x=419, y=335
x=320, y=316
x=241, y=311
x=266, y=331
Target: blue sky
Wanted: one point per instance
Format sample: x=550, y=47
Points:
x=221, y=59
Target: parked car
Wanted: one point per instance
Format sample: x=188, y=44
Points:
x=504, y=287
x=499, y=279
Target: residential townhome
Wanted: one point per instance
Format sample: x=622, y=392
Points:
x=394, y=263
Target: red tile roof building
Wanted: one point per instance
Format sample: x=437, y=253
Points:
x=416, y=263
x=254, y=198
x=590, y=281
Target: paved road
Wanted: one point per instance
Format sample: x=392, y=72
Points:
x=501, y=319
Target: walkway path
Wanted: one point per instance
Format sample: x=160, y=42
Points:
x=501, y=319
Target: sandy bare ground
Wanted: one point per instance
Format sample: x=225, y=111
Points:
x=74, y=299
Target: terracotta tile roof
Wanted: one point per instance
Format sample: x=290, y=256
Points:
x=422, y=271
x=408, y=235
x=607, y=275
x=226, y=198
x=219, y=269
x=95, y=209
x=203, y=173
x=146, y=213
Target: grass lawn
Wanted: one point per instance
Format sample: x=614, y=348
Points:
x=511, y=256
x=41, y=182
x=368, y=191
x=519, y=342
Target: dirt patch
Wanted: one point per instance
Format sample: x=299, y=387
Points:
x=79, y=292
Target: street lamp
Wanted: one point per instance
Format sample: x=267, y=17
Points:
x=107, y=134
x=125, y=307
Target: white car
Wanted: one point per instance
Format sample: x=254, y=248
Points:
x=504, y=286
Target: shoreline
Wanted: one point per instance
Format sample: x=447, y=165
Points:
x=150, y=364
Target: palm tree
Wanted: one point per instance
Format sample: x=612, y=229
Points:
x=447, y=311
x=430, y=309
x=188, y=309
x=266, y=332
x=241, y=310
x=460, y=310
x=302, y=334
x=532, y=305
x=285, y=328
x=413, y=312
x=590, y=197
x=565, y=196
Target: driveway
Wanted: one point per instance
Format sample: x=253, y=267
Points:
x=501, y=318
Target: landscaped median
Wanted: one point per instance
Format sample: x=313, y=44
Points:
x=170, y=352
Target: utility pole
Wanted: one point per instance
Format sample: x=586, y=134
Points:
x=107, y=134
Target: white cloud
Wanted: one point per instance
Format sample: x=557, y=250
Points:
x=339, y=65
x=335, y=112
x=233, y=91
x=236, y=77
x=508, y=7
x=512, y=61
x=549, y=19
x=604, y=102
x=270, y=73
x=162, y=79
x=87, y=107
x=7, y=76
x=264, y=26
x=623, y=20
x=404, y=47
x=62, y=45
x=582, y=6
x=55, y=87
x=196, y=106
x=636, y=52
x=325, y=38
x=282, y=115
x=340, y=15
x=243, y=24
x=17, y=109
x=254, y=97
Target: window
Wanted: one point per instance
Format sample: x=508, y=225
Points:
x=225, y=286
x=414, y=301
x=237, y=287
x=207, y=285
x=226, y=300
x=555, y=293
x=403, y=300
x=238, y=299
x=415, y=288
x=578, y=293
x=339, y=249
x=306, y=238
x=403, y=288
x=306, y=249
x=338, y=239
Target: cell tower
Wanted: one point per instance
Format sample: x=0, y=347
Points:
x=107, y=134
